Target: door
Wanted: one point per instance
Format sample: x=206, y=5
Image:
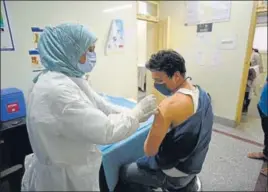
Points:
x=160, y=32
x=164, y=34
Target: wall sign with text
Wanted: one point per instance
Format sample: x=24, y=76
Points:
x=204, y=27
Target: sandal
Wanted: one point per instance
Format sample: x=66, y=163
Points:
x=257, y=155
x=264, y=171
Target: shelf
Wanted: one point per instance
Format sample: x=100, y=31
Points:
x=147, y=18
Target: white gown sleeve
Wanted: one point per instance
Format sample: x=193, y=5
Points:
x=80, y=120
x=103, y=105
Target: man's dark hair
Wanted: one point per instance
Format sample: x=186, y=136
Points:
x=256, y=50
x=168, y=61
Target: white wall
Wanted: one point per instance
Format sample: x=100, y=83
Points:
x=152, y=47
x=142, y=42
x=222, y=80
x=114, y=75
x=142, y=36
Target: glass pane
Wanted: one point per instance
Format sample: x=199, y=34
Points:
x=147, y=8
x=152, y=9
x=142, y=8
x=260, y=38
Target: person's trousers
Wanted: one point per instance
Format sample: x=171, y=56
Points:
x=264, y=124
x=102, y=180
x=132, y=179
x=246, y=102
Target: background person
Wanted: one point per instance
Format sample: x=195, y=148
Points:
x=263, y=111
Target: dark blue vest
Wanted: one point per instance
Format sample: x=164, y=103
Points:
x=198, y=128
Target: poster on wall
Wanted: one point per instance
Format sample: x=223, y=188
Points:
x=35, y=60
x=115, y=42
x=34, y=53
x=7, y=43
x=36, y=35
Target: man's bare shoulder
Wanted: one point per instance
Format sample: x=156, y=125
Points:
x=176, y=105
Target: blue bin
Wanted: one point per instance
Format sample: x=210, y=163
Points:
x=12, y=104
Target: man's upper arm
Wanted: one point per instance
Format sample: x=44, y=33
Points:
x=161, y=124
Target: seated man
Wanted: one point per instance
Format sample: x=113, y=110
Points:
x=178, y=141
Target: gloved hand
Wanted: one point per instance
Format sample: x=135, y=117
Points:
x=145, y=108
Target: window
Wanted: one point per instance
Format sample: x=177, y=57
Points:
x=148, y=10
x=142, y=8
x=260, y=38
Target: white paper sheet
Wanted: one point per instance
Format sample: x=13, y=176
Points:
x=207, y=12
x=192, y=13
x=216, y=58
x=228, y=43
x=204, y=39
x=200, y=58
x=221, y=11
x=116, y=38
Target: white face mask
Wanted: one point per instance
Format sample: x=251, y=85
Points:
x=90, y=62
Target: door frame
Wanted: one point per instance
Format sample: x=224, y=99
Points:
x=148, y=18
x=167, y=35
x=253, y=23
x=157, y=39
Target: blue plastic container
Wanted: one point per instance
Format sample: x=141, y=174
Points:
x=12, y=104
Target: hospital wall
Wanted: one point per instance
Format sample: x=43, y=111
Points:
x=141, y=42
x=220, y=71
x=114, y=74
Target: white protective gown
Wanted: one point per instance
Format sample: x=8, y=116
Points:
x=65, y=121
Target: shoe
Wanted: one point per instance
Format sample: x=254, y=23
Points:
x=264, y=172
x=198, y=184
x=194, y=185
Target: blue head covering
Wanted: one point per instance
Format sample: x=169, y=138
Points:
x=61, y=47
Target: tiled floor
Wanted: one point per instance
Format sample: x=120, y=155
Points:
x=227, y=168
x=227, y=160
x=249, y=129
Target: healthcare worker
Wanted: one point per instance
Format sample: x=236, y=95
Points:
x=66, y=118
